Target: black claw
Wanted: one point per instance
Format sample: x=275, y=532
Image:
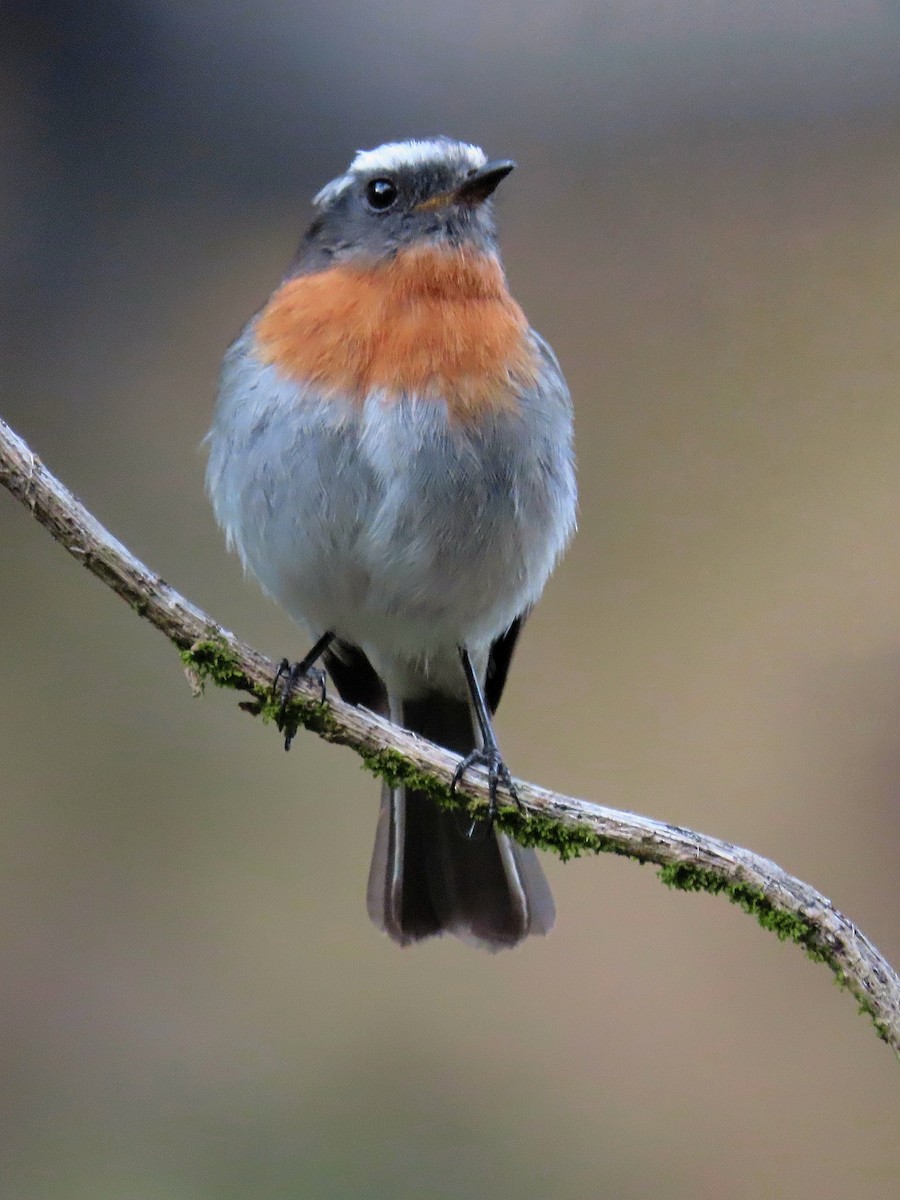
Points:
x=292, y=674
x=284, y=668
x=498, y=774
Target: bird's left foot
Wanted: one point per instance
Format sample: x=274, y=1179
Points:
x=292, y=673
x=497, y=771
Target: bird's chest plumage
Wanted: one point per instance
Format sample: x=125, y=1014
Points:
x=434, y=324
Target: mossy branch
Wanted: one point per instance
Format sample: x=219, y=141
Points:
x=689, y=861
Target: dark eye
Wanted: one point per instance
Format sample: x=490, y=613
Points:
x=381, y=194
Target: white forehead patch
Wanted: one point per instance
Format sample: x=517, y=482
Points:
x=394, y=156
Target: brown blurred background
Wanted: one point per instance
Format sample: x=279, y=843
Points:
x=706, y=226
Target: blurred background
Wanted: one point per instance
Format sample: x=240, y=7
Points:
x=705, y=224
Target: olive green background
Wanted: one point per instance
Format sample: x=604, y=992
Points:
x=705, y=224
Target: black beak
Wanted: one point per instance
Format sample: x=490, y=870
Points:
x=482, y=183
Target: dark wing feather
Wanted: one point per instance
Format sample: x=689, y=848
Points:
x=355, y=677
x=499, y=660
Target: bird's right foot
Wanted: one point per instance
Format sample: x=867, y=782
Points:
x=497, y=772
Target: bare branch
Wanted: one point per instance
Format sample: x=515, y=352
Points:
x=690, y=861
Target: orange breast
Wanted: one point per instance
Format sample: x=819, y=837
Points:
x=438, y=324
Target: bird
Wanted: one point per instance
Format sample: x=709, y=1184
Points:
x=391, y=457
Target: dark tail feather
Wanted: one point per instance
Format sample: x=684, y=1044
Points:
x=428, y=877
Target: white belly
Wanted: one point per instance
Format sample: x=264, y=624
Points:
x=390, y=527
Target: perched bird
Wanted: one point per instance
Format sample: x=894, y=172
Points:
x=391, y=457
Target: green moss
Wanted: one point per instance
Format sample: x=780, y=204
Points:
x=545, y=833
x=785, y=925
x=567, y=841
x=865, y=1009
x=298, y=713
x=395, y=770
x=212, y=659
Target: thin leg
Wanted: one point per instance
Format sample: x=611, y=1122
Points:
x=293, y=674
x=489, y=755
x=480, y=704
